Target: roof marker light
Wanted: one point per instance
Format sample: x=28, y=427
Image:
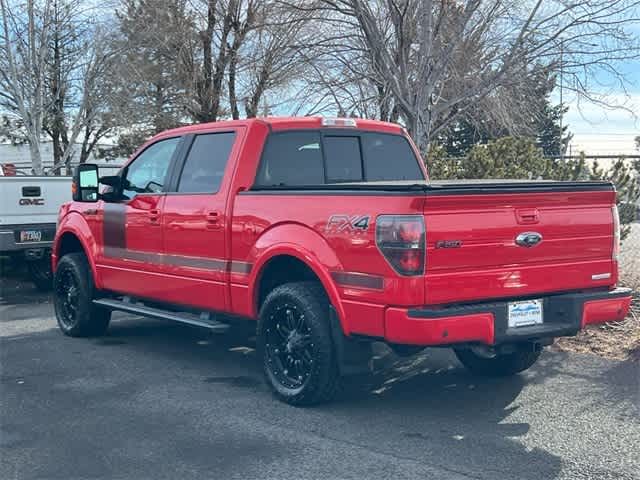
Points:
x=338, y=122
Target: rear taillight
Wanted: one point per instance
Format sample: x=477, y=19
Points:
x=400, y=239
x=616, y=233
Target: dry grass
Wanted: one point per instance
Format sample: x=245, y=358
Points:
x=620, y=340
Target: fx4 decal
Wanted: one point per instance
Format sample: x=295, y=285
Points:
x=348, y=223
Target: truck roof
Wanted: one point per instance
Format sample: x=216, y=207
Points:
x=291, y=123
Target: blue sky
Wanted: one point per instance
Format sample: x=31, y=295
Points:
x=598, y=130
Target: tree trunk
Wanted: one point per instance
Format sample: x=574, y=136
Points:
x=36, y=158
x=88, y=143
x=57, y=152
x=233, y=100
x=205, y=93
x=261, y=85
x=36, y=57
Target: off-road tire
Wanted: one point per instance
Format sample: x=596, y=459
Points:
x=323, y=379
x=500, y=365
x=88, y=319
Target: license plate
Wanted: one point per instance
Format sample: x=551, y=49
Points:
x=31, y=236
x=525, y=313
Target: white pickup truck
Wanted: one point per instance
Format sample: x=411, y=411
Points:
x=28, y=214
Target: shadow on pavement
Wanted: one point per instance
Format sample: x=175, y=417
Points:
x=16, y=289
x=434, y=409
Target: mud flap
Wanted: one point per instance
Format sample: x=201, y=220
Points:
x=353, y=354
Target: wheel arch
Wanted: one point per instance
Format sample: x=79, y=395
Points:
x=74, y=235
x=309, y=258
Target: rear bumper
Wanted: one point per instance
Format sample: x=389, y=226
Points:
x=486, y=323
x=10, y=237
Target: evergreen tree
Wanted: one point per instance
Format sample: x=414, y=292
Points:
x=540, y=119
x=521, y=158
x=550, y=137
x=460, y=138
x=157, y=37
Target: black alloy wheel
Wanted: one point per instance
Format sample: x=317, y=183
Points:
x=296, y=345
x=67, y=299
x=73, y=295
x=289, y=347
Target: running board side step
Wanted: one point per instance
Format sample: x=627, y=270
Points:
x=202, y=320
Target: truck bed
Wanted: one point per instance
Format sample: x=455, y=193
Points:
x=472, y=227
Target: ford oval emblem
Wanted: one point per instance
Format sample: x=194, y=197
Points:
x=528, y=239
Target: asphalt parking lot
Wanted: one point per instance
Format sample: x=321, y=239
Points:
x=162, y=401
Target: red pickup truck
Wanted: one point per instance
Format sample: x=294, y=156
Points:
x=330, y=235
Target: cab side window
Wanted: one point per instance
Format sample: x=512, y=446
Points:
x=291, y=158
x=206, y=162
x=148, y=172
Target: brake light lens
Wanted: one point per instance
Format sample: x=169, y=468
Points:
x=339, y=122
x=616, y=233
x=401, y=240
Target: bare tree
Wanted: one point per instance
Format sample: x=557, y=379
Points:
x=435, y=59
x=240, y=26
x=54, y=59
x=89, y=96
x=215, y=20
x=64, y=49
x=272, y=58
x=78, y=45
x=23, y=53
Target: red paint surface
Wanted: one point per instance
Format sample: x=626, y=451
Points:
x=399, y=328
x=610, y=310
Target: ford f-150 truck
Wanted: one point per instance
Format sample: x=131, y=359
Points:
x=328, y=233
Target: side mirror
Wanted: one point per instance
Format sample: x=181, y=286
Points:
x=113, y=192
x=111, y=181
x=85, y=183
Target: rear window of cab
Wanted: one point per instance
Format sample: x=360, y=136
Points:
x=311, y=157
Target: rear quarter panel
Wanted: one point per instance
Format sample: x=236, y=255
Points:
x=268, y=224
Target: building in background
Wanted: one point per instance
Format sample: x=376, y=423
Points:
x=19, y=156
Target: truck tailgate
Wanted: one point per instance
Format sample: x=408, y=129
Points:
x=473, y=252
x=31, y=199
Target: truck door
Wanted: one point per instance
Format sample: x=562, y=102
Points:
x=131, y=260
x=195, y=223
